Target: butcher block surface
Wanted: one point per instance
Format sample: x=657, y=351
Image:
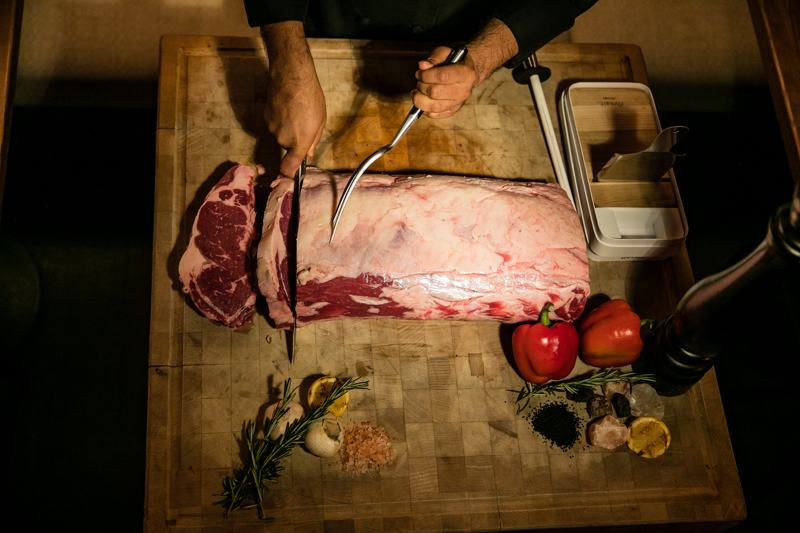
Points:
x=464, y=460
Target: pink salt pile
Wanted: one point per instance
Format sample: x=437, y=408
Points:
x=365, y=448
x=607, y=432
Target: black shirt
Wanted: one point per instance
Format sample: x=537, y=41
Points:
x=533, y=22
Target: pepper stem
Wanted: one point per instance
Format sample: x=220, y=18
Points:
x=544, y=316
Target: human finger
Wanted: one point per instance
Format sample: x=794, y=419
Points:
x=443, y=114
x=436, y=57
x=429, y=105
x=439, y=55
x=439, y=91
x=291, y=161
x=458, y=73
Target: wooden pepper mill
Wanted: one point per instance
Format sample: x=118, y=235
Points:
x=680, y=349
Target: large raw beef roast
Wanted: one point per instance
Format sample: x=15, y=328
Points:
x=424, y=247
x=215, y=269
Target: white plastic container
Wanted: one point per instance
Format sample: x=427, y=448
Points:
x=618, y=233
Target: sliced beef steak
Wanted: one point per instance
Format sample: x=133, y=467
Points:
x=425, y=247
x=215, y=269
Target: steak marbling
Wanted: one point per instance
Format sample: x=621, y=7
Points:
x=215, y=269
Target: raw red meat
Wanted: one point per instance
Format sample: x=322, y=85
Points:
x=215, y=268
x=425, y=247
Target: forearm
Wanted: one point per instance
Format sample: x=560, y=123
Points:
x=491, y=48
x=295, y=105
x=287, y=49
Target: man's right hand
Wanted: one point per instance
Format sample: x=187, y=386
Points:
x=295, y=108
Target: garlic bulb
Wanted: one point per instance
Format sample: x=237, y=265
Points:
x=294, y=412
x=323, y=439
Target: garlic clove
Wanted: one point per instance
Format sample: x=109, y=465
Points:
x=294, y=412
x=324, y=438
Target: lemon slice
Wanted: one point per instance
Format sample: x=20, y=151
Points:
x=319, y=391
x=648, y=437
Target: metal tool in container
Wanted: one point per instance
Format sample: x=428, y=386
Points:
x=455, y=56
x=649, y=164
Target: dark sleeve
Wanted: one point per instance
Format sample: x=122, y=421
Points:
x=534, y=23
x=261, y=12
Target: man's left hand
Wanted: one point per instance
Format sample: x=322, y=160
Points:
x=442, y=90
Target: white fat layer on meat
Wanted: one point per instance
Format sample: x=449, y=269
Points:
x=449, y=286
x=445, y=246
x=366, y=300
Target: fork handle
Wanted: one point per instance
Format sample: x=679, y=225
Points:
x=456, y=55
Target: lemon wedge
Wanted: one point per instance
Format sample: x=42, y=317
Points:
x=319, y=391
x=649, y=437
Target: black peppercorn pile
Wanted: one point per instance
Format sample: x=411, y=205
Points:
x=557, y=423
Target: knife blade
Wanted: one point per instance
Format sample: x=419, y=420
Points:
x=292, y=244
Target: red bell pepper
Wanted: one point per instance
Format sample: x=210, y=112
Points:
x=610, y=335
x=543, y=351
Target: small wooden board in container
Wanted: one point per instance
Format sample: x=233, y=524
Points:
x=464, y=460
x=620, y=120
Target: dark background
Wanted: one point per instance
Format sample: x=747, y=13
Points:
x=79, y=199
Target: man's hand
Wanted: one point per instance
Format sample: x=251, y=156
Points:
x=295, y=108
x=442, y=90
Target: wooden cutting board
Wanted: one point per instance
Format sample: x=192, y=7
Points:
x=464, y=460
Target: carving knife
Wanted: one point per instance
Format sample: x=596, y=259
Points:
x=298, y=187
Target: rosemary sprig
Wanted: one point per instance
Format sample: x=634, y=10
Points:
x=572, y=386
x=262, y=462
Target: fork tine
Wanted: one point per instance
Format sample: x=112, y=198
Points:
x=455, y=56
x=348, y=189
x=351, y=184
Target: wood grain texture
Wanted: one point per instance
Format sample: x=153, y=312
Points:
x=777, y=26
x=633, y=194
x=464, y=461
x=10, y=23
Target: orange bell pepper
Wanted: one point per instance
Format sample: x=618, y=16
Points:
x=610, y=335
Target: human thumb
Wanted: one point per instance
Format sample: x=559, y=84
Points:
x=291, y=162
x=436, y=57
